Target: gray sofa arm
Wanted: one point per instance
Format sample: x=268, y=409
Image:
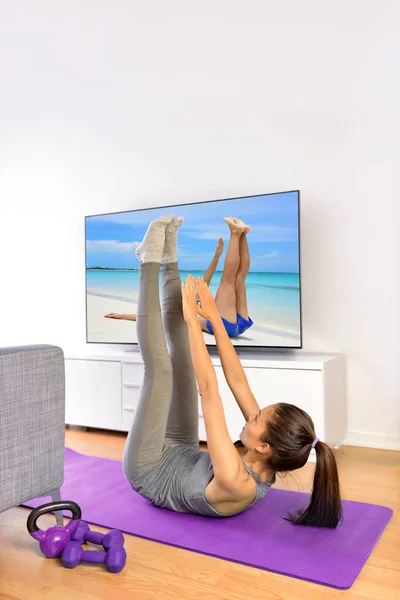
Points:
x=32, y=423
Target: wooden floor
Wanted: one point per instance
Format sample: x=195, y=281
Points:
x=156, y=571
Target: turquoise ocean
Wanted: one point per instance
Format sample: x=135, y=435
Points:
x=273, y=298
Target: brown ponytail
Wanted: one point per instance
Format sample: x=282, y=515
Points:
x=290, y=434
x=325, y=508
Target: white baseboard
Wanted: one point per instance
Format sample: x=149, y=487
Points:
x=372, y=440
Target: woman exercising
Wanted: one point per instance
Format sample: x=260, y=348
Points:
x=162, y=458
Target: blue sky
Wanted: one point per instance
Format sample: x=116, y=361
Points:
x=273, y=240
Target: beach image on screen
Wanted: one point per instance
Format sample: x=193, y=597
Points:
x=272, y=283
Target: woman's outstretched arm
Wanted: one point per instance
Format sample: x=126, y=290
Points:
x=203, y=367
x=225, y=460
x=123, y=317
x=233, y=370
x=212, y=267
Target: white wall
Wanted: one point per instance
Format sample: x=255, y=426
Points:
x=367, y=194
x=112, y=106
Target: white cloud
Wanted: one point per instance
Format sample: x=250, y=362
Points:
x=196, y=258
x=111, y=246
x=272, y=254
x=258, y=233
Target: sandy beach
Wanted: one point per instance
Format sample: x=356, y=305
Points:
x=105, y=330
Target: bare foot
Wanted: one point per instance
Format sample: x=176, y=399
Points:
x=246, y=227
x=234, y=225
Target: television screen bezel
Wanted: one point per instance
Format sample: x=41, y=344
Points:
x=236, y=346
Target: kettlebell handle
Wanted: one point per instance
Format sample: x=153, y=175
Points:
x=51, y=507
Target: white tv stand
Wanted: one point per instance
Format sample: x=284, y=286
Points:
x=103, y=389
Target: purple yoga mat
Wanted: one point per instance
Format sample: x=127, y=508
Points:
x=258, y=537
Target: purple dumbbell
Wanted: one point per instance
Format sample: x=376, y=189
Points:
x=114, y=558
x=83, y=534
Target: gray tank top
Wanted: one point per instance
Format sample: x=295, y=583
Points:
x=178, y=482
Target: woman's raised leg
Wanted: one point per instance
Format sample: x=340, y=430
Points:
x=240, y=286
x=146, y=439
x=183, y=420
x=225, y=297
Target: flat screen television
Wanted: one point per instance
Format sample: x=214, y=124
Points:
x=272, y=283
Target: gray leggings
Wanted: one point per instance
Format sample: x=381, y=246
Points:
x=168, y=409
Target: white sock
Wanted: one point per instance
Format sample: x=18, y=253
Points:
x=171, y=241
x=152, y=246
